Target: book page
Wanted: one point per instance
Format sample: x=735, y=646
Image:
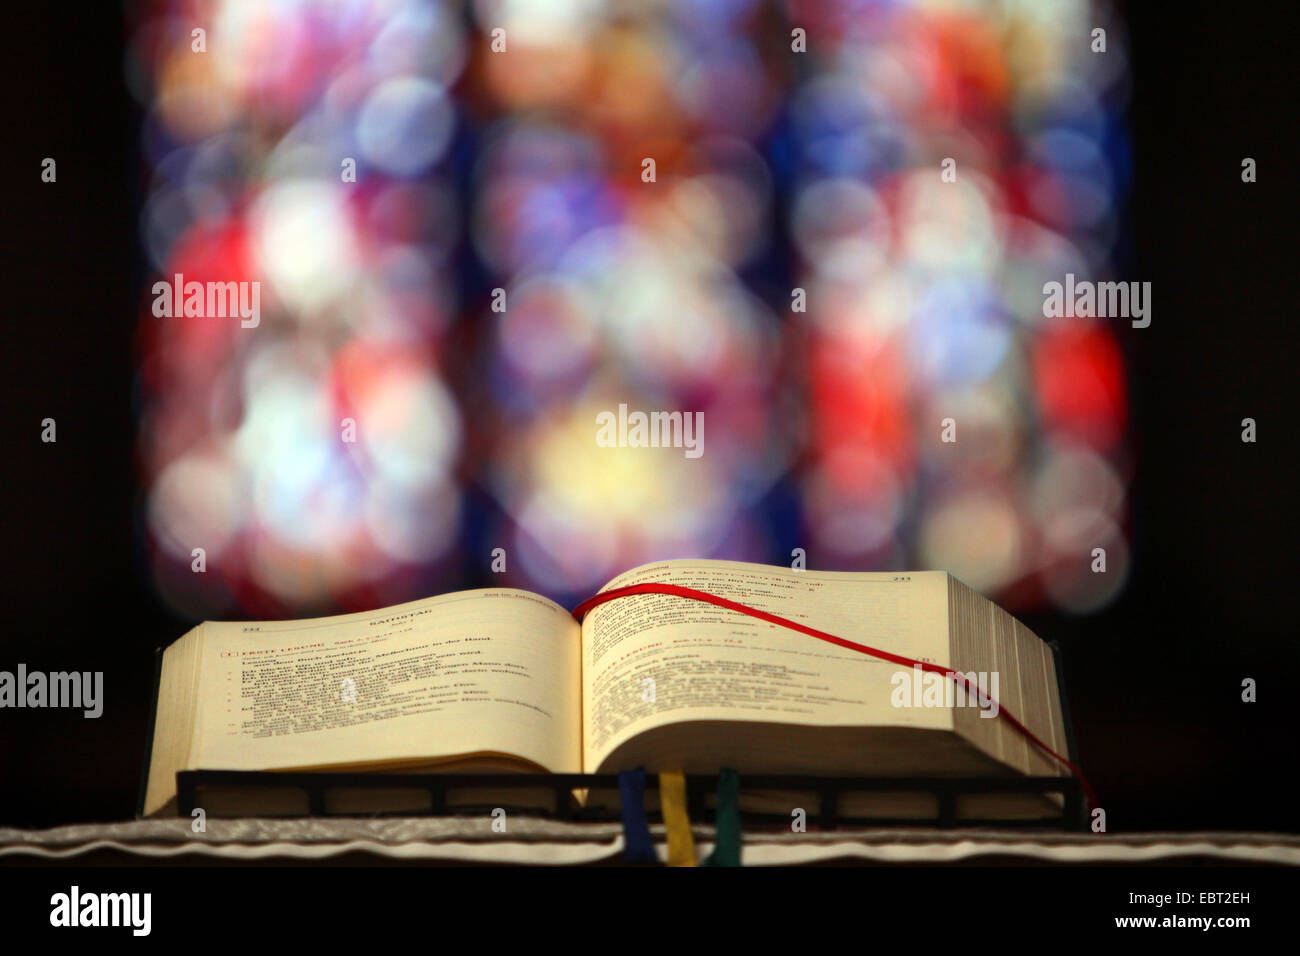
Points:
x=473, y=672
x=651, y=660
x=173, y=717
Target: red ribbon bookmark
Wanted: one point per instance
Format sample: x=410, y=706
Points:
x=581, y=610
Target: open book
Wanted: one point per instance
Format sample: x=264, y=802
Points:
x=503, y=679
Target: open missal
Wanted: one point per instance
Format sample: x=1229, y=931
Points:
x=504, y=680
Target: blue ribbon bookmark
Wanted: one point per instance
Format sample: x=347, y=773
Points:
x=638, y=847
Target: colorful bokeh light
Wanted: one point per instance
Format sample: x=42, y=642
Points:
x=798, y=271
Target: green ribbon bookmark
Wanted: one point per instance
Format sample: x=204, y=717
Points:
x=726, y=846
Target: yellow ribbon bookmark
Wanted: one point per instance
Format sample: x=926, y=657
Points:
x=677, y=821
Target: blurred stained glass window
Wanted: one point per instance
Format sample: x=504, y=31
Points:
x=460, y=265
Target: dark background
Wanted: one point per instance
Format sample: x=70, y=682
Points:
x=1154, y=681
